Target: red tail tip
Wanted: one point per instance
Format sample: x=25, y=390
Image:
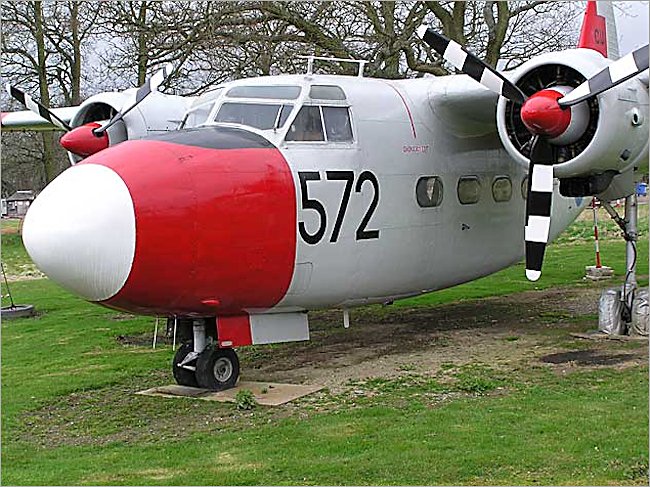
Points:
x=593, y=34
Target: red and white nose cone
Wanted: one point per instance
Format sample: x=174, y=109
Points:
x=80, y=231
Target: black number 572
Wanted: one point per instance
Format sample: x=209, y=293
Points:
x=313, y=204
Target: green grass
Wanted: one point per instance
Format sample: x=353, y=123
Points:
x=564, y=264
x=14, y=257
x=583, y=228
x=69, y=415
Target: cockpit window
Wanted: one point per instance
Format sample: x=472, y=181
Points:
x=259, y=115
x=200, y=110
x=337, y=124
x=278, y=92
x=197, y=115
x=326, y=92
x=307, y=126
x=284, y=114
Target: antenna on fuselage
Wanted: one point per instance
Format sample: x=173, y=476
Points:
x=310, y=63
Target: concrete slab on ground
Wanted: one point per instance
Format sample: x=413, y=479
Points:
x=598, y=273
x=266, y=393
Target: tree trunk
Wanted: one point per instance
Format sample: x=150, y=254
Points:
x=497, y=29
x=75, y=89
x=143, y=58
x=50, y=164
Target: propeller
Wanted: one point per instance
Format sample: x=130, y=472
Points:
x=616, y=73
x=547, y=116
x=92, y=137
x=469, y=64
x=37, y=107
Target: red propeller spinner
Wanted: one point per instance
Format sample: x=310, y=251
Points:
x=83, y=142
x=542, y=115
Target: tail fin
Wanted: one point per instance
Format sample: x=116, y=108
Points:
x=599, y=29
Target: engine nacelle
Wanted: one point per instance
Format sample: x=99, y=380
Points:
x=157, y=113
x=607, y=134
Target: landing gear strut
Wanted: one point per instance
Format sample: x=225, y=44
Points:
x=618, y=310
x=200, y=362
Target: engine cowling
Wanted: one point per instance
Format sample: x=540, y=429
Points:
x=159, y=113
x=606, y=134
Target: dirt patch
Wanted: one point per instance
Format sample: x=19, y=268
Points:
x=385, y=342
x=587, y=357
x=503, y=332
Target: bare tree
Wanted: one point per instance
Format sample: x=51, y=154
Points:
x=384, y=32
x=25, y=59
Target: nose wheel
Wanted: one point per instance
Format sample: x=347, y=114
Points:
x=217, y=368
x=199, y=362
x=182, y=369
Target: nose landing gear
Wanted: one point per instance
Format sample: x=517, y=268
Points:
x=199, y=362
x=217, y=368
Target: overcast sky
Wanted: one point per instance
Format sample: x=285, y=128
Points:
x=632, y=25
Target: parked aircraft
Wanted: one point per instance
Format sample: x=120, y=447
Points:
x=238, y=211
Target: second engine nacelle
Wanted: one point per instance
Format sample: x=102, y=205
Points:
x=157, y=113
x=607, y=133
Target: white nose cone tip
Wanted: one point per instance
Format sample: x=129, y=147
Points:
x=80, y=231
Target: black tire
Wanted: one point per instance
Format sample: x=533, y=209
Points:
x=17, y=311
x=217, y=369
x=183, y=377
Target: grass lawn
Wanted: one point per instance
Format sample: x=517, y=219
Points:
x=69, y=415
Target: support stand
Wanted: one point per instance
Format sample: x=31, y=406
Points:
x=599, y=271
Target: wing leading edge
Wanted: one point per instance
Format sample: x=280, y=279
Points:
x=28, y=120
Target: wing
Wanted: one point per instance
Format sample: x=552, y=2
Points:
x=464, y=106
x=28, y=120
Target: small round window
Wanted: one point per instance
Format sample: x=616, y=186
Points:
x=429, y=191
x=524, y=188
x=502, y=189
x=469, y=190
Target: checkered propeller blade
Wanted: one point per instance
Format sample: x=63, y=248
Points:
x=36, y=107
x=617, y=72
x=469, y=64
x=150, y=85
x=538, y=206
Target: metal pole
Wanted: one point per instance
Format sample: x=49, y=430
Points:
x=11, y=299
x=174, y=339
x=593, y=207
x=198, y=327
x=155, y=334
x=631, y=238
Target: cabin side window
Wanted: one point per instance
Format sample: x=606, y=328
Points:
x=321, y=124
x=502, y=189
x=428, y=191
x=469, y=190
